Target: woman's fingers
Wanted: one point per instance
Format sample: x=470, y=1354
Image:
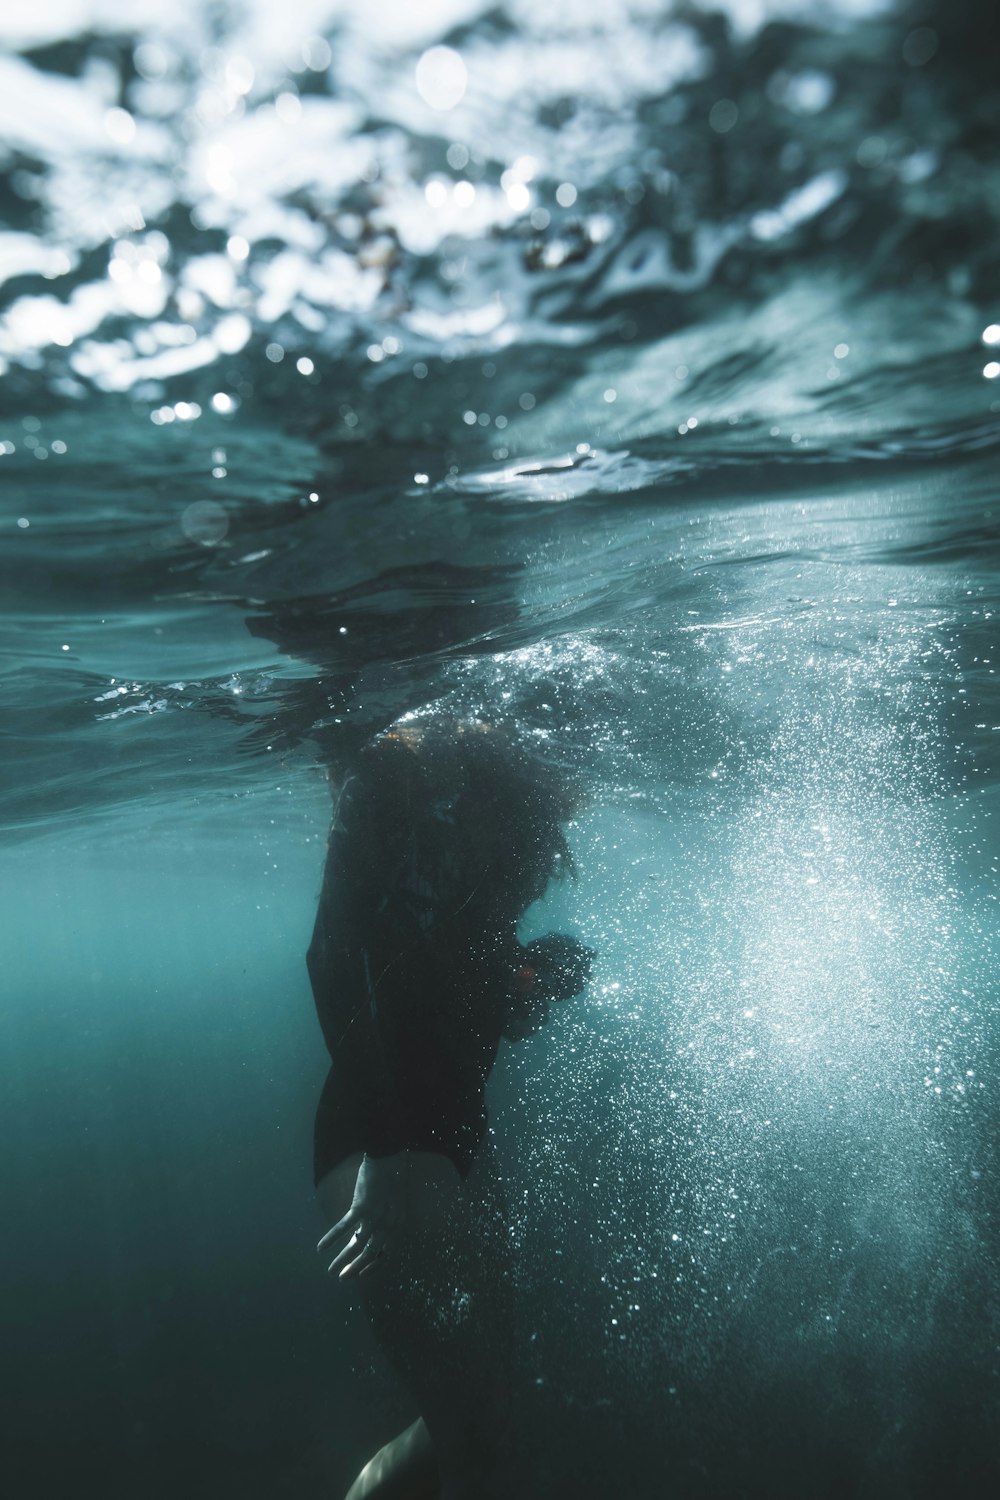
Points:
x=373, y=1261
x=369, y=1256
x=360, y=1250
x=349, y=1221
x=360, y=1255
x=340, y=1262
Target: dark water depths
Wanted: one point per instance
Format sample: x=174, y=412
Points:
x=648, y=395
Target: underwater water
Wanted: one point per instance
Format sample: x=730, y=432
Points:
x=627, y=370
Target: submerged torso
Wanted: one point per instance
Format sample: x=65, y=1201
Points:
x=411, y=963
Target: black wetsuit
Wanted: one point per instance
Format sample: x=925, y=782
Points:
x=413, y=961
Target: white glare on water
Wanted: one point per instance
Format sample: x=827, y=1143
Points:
x=442, y=78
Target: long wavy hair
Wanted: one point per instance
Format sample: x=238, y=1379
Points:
x=470, y=792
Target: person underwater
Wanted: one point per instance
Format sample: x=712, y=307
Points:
x=445, y=831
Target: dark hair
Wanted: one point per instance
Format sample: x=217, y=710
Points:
x=506, y=808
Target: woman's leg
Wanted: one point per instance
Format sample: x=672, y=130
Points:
x=441, y=1310
x=406, y=1468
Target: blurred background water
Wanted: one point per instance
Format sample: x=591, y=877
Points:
x=629, y=369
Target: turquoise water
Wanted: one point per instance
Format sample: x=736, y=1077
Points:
x=645, y=395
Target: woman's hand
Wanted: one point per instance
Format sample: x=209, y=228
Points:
x=393, y=1196
x=378, y=1211
x=562, y=964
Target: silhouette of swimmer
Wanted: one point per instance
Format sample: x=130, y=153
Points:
x=444, y=832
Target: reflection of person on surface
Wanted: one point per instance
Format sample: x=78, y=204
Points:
x=443, y=835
